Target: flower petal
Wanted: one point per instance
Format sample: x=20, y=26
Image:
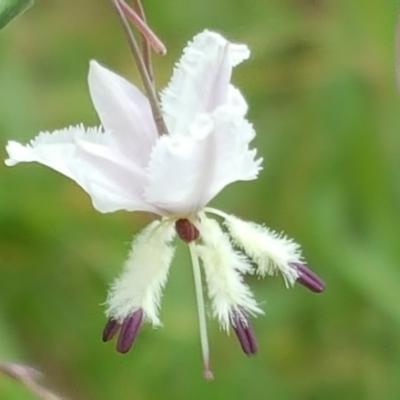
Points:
x=186, y=172
x=124, y=111
x=231, y=159
x=200, y=82
x=176, y=179
x=114, y=174
x=88, y=157
x=145, y=274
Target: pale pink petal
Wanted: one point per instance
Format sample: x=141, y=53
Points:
x=89, y=158
x=201, y=80
x=124, y=111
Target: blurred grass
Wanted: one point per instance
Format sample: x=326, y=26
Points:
x=323, y=98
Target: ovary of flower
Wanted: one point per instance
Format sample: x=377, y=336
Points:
x=144, y=274
x=270, y=251
x=224, y=269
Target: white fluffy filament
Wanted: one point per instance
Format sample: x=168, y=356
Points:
x=270, y=251
x=144, y=275
x=224, y=269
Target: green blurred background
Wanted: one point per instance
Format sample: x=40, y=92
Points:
x=322, y=92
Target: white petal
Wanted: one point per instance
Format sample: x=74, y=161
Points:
x=186, y=172
x=272, y=252
x=87, y=157
x=231, y=159
x=178, y=170
x=144, y=275
x=200, y=82
x=224, y=268
x=124, y=111
x=236, y=102
x=113, y=176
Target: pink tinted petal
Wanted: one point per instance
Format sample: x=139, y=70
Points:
x=124, y=111
x=200, y=82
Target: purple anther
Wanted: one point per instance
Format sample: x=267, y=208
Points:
x=186, y=230
x=244, y=331
x=129, y=330
x=309, y=279
x=111, y=329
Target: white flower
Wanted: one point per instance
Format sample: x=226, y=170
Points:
x=125, y=165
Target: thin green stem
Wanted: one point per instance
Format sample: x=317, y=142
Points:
x=201, y=311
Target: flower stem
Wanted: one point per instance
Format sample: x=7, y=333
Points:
x=146, y=51
x=28, y=377
x=138, y=19
x=201, y=312
x=147, y=82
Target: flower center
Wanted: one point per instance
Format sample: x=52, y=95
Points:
x=186, y=230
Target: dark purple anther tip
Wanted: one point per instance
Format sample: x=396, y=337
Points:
x=309, y=279
x=110, y=330
x=244, y=332
x=129, y=330
x=186, y=230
